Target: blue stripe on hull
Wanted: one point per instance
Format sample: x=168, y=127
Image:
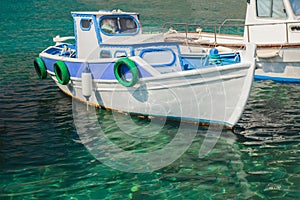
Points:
x=103, y=70
x=277, y=79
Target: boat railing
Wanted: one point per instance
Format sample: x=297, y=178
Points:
x=215, y=27
x=241, y=27
x=230, y=21
x=212, y=28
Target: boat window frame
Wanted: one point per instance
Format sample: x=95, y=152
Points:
x=105, y=52
x=271, y=11
x=157, y=50
x=119, y=31
x=122, y=52
x=90, y=20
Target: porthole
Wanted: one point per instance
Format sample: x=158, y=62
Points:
x=85, y=24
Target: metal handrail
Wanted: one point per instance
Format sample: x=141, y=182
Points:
x=230, y=20
x=207, y=25
x=223, y=24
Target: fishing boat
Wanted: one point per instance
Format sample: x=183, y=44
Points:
x=111, y=63
x=273, y=25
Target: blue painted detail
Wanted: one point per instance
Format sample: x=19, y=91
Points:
x=121, y=52
x=221, y=59
x=143, y=72
x=105, y=53
x=277, y=79
x=205, y=121
x=103, y=70
x=132, y=51
x=85, y=22
x=150, y=50
x=49, y=63
x=71, y=46
x=213, y=51
x=57, y=50
x=141, y=45
x=97, y=30
x=75, y=34
x=125, y=72
x=180, y=57
x=192, y=120
x=119, y=30
x=53, y=51
x=188, y=63
x=116, y=51
x=201, y=61
x=94, y=20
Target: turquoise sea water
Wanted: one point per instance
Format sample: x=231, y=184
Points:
x=41, y=156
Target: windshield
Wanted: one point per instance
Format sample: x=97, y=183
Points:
x=270, y=8
x=295, y=6
x=118, y=25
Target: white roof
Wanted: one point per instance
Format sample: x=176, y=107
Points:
x=103, y=12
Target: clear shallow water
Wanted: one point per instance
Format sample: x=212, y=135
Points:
x=40, y=153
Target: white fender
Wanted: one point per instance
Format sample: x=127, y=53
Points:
x=86, y=81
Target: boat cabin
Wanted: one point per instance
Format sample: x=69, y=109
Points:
x=114, y=34
x=272, y=21
x=95, y=28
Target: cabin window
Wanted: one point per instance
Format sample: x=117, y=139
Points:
x=109, y=25
x=128, y=25
x=105, y=54
x=85, y=24
x=119, y=25
x=159, y=57
x=270, y=8
x=295, y=6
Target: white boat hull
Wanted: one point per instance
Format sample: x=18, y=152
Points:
x=128, y=71
x=204, y=95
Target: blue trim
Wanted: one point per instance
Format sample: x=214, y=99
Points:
x=83, y=28
x=187, y=119
x=149, y=50
x=97, y=29
x=277, y=79
x=75, y=35
x=105, y=51
x=100, y=71
x=150, y=44
x=181, y=61
x=119, y=51
x=132, y=51
x=118, y=32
